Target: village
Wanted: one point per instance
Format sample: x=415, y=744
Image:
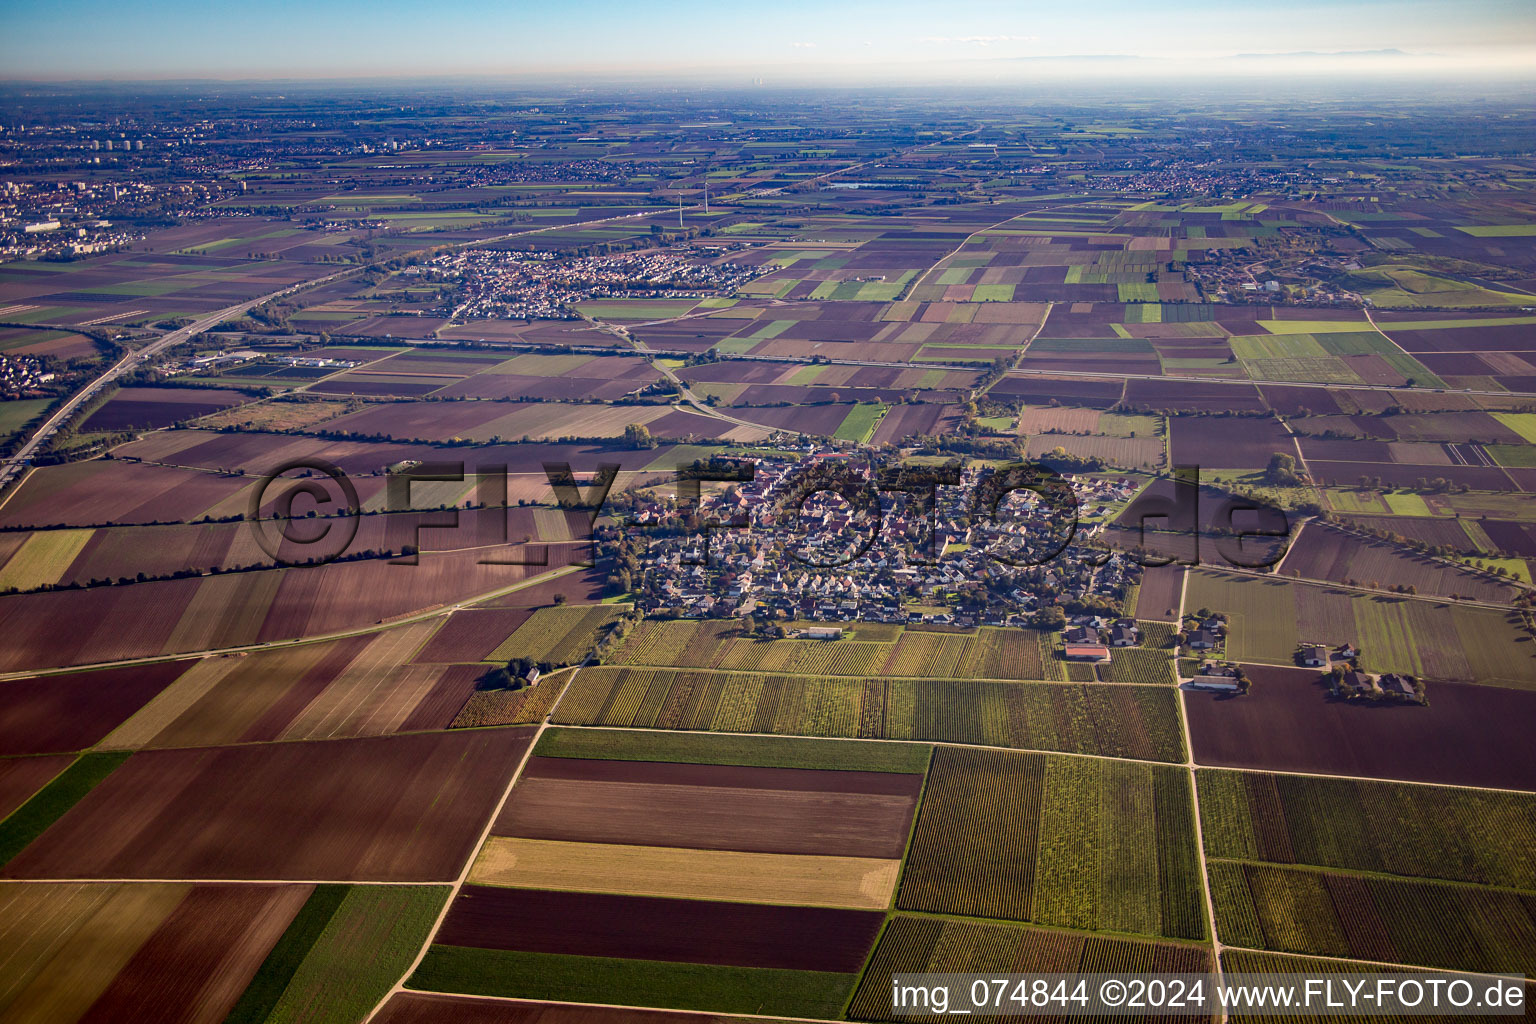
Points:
x=493, y=284
x=828, y=563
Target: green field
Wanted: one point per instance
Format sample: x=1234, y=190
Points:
x=860, y=422
x=592, y=979
x=1498, y=230
x=1070, y=842
x=1128, y=721
x=1261, y=613
x=349, y=945
x=18, y=413
x=48, y=804
x=759, y=751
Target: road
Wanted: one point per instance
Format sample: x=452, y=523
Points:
x=137, y=357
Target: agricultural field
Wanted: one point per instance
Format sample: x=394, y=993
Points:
x=1084, y=843
x=1468, y=735
x=141, y=950
x=562, y=635
x=1244, y=961
x=1128, y=721
x=987, y=653
x=1269, y=617
x=344, y=949
x=248, y=785
x=1364, y=917
x=1459, y=835
x=1325, y=553
x=847, y=814
x=682, y=954
x=913, y=944
x=248, y=812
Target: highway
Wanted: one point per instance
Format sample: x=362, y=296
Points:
x=18, y=461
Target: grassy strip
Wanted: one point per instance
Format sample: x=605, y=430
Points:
x=49, y=804
x=757, y=751
x=277, y=970
x=369, y=942
x=591, y=979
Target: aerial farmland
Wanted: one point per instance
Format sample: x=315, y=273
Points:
x=528, y=553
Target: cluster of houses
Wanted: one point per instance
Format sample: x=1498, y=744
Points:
x=1205, y=633
x=1347, y=680
x=821, y=566
x=1352, y=683
x=543, y=285
x=1090, y=637
x=23, y=376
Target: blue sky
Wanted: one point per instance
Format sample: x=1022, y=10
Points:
x=61, y=39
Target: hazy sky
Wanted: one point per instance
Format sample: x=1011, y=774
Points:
x=64, y=39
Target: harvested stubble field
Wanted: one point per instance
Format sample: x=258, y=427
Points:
x=1065, y=841
x=398, y=808
x=807, y=880
x=1133, y=721
x=1462, y=835
x=1325, y=913
x=924, y=944
x=988, y=653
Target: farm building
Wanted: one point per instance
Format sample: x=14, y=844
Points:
x=1398, y=685
x=1123, y=636
x=1202, y=639
x=1314, y=657
x=1216, y=675
x=1087, y=652
x=822, y=632
x=1079, y=635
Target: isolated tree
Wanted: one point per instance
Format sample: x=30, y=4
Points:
x=1281, y=469
x=638, y=435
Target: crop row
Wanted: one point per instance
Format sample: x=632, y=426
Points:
x=560, y=635
x=1062, y=841
x=1420, y=831
x=1139, y=665
x=1134, y=721
x=913, y=945
x=885, y=650
x=1431, y=924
